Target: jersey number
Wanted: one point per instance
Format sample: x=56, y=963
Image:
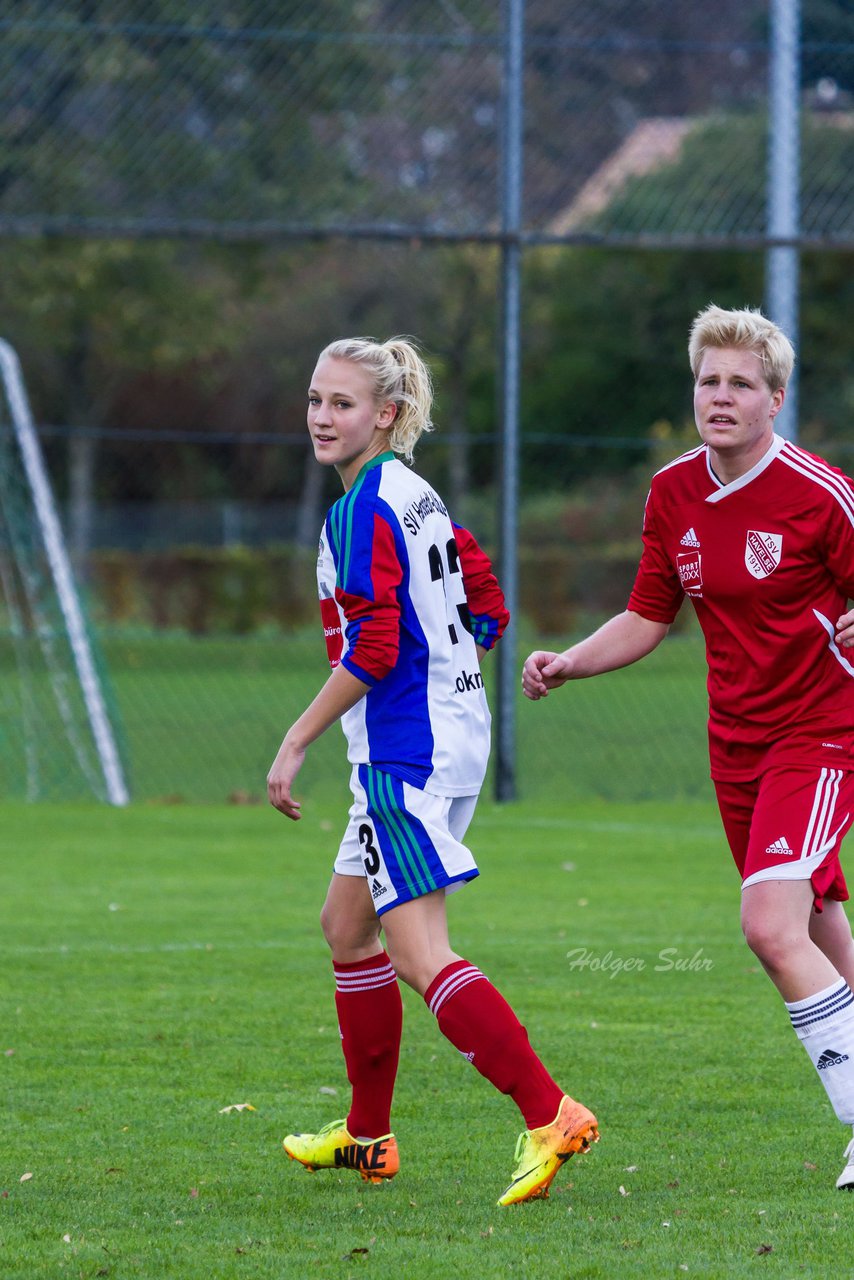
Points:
x=372, y=857
x=437, y=574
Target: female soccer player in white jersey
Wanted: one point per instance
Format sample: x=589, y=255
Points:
x=409, y=606
x=759, y=535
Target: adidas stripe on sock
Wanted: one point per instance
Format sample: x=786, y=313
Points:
x=824, y=1024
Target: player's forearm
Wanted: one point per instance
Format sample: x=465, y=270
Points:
x=620, y=641
x=340, y=693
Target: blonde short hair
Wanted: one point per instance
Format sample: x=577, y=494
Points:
x=749, y=330
x=399, y=374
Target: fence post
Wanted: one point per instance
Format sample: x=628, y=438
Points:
x=511, y=262
x=782, y=262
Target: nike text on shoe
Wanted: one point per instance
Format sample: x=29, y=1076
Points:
x=845, y=1181
x=374, y=1159
x=541, y=1152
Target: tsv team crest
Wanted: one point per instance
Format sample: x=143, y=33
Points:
x=762, y=552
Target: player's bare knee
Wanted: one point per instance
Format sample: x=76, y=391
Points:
x=346, y=935
x=771, y=945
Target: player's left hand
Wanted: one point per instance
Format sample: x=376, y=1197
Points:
x=280, y=779
x=845, y=630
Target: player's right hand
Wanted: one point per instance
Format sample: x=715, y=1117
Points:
x=544, y=670
x=283, y=771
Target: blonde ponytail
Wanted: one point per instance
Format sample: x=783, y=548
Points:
x=401, y=375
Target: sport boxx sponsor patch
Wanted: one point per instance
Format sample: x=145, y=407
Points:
x=690, y=566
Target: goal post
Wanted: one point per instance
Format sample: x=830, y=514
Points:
x=43, y=604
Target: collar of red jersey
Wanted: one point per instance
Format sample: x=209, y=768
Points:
x=724, y=490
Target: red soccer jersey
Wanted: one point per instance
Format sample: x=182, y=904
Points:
x=768, y=564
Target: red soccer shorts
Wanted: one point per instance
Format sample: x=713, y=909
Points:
x=789, y=825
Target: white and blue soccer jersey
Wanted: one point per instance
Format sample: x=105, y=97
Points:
x=405, y=596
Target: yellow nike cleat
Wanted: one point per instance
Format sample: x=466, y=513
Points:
x=541, y=1152
x=374, y=1159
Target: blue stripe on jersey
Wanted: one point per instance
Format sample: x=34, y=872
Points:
x=340, y=527
x=403, y=741
x=341, y=521
x=410, y=857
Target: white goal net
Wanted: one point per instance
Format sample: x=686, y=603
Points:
x=57, y=728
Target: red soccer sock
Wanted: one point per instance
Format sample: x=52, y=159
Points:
x=370, y=1017
x=479, y=1022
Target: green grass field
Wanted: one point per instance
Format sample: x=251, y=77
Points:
x=202, y=717
x=164, y=962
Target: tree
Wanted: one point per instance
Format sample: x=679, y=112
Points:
x=86, y=316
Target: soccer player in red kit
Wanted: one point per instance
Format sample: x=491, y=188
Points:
x=759, y=535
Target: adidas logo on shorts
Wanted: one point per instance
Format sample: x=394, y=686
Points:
x=377, y=889
x=781, y=846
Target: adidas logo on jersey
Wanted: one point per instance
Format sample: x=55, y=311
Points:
x=377, y=889
x=830, y=1058
x=689, y=539
x=781, y=846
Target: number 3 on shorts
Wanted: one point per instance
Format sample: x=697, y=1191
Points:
x=372, y=857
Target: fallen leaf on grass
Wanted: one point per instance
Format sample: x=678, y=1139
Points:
x=236, y=1106
x=487, y=1233
x=243, y=797
x=354, y=1253
x=809, y=1165
x=765, y=1248
x=25, y=1177
x=328, y=1091
x=624, y=1192
x=194, y=1193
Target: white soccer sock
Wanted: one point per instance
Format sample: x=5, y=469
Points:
x=824, y=1024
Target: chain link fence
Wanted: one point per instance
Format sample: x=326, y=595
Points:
x=167, y=118
x=193, y=203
